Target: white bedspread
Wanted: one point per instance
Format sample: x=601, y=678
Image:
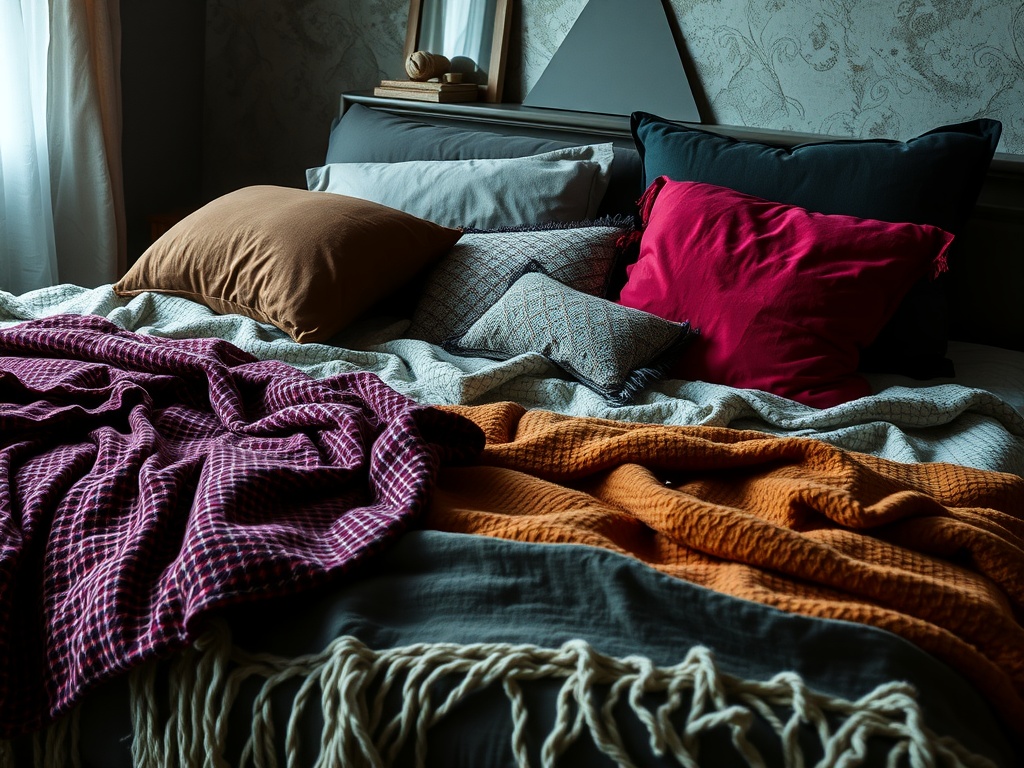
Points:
x=975, y=420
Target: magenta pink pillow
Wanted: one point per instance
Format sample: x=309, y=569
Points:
x=784, y=298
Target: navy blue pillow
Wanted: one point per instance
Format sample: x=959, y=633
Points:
x=932, y=179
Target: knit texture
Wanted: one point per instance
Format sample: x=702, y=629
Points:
x=482, y=266
x=932, y=552
x=614, y=350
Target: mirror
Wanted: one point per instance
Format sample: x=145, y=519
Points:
x=472, y=34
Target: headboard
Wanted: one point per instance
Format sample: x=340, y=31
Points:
x=984, y=288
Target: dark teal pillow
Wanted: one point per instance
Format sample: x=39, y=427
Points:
x=932, y=179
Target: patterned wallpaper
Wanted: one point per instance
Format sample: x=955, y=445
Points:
x=274, y=73
x=866, y=68
x=862, y=68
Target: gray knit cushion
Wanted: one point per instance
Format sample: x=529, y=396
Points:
x=614, y=350
x=480, y=268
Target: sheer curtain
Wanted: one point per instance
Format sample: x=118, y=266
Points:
x=61, y=200
x=458, y=28
x=464, y=29
x=28, y=257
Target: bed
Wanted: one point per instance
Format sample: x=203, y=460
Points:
x=526, y=479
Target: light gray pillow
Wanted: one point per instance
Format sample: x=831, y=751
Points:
x=365, y=135
x=482, y=265
x=563, y=185
x=614, y=350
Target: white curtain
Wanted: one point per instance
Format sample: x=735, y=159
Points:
x=464, y=30
x=459, y=29
x=61, y=200
x=28, y=256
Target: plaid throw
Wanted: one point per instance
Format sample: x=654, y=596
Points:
x=145, y=482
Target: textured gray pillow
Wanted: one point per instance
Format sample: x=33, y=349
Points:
x=562, y=185
x=614, y=350
x=481, y=266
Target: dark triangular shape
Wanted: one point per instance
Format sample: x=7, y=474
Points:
x=618, y=58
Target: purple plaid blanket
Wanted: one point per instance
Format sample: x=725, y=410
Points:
x=145, y=482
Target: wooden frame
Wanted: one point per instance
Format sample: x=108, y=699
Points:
x=492, y=92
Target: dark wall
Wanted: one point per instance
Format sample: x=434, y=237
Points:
x=162, y=63
x=275, y=70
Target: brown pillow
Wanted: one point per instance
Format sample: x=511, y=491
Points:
x=307, y=262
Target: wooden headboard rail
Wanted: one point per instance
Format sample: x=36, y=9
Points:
x=984, y=290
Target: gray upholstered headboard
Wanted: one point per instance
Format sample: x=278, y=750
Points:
x=984, y=287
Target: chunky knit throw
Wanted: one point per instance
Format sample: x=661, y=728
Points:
x=932, y=552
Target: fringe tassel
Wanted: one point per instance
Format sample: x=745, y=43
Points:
x=351, y=682
x=940, y=265
x=57, y=746
x=640, y=378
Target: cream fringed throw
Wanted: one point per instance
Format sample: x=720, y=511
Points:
x=349, y=682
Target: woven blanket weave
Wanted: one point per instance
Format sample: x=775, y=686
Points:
x=145, y=482
x=932, y=552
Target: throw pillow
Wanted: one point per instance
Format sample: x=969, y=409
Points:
x=562, y=185
x=481, y=267
x=934, y=179
x=785, y=298
x=306, y=262
x=614, y=350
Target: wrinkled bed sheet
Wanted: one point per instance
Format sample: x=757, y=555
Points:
x=975, y=420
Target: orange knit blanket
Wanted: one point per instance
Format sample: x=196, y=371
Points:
x=932, y=552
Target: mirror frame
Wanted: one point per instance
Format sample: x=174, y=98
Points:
x=499, y=45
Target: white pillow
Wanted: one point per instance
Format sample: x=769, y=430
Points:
x=563, y=185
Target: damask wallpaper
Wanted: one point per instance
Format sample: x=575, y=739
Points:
x=861, y=68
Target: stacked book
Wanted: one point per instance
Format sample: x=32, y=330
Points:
x=427, y=90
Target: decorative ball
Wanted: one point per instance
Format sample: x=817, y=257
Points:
x=423, y=65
